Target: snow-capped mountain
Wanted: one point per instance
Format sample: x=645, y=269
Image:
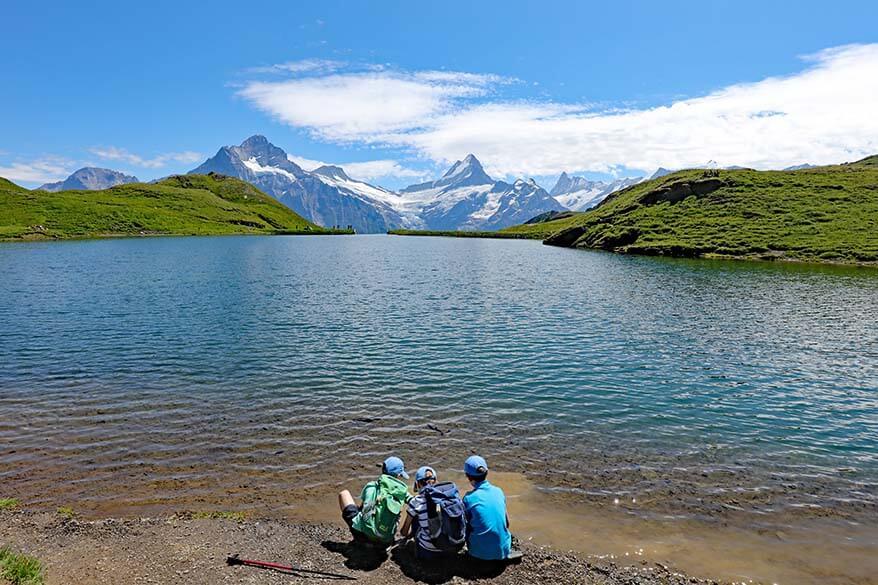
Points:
x=466, y=198
x=660, y=172
x=328, y=197
x=579, y=194
x=90, y=179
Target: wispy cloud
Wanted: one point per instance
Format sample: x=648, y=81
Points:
x=824, y=113
x=43, y=170
x=365, y=170
x=377, y=169
x=301, y=66
x=120, y=154
x=367, y=106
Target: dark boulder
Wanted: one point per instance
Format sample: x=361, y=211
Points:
x=680, y=190
x=565, y=238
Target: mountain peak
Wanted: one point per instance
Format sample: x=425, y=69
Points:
x=568, y=184
x=660, y=172
x=266, y=154
x=256, y=140
x=258, y=145
x=470, y=164
x=91, y=179
x=332, y=171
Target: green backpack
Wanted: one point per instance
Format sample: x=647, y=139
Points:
x=383, y=500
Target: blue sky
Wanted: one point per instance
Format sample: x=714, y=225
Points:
x=397, y=90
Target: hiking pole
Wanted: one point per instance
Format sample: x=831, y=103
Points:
x=234, y=560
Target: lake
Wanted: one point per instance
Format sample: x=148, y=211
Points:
x=151, y=375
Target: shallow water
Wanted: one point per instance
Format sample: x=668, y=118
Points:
x=154, y=374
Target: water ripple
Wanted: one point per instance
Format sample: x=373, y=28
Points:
x=172, y=370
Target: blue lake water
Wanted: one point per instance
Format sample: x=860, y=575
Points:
x=158, y=372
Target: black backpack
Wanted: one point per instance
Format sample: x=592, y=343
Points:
x=444, y=523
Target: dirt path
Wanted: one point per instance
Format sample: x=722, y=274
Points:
x=193, y=551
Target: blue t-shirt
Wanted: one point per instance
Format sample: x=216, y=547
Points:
x=488, y=536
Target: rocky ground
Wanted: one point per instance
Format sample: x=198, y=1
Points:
x=181, y=549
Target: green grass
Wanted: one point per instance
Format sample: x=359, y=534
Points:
x=8, y=503
x=67, y=512
x=179, y=205
x=824, y=214
x=224, y=515
x=542, y=230
x=20, y=569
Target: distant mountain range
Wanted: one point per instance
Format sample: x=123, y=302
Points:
x=464, y=198
x=90, y=179
x=579, y=194
x=326, y=196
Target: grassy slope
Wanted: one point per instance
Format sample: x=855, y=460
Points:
x=180, y=205
x=821, y=214
x=542, y=230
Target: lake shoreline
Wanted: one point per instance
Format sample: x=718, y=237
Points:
x=123, y=236
x=725, y=547
x=186, y=549
x=762, y=258
x=463, y=234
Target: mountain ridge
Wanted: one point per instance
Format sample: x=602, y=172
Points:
x=90, y=179
x=311, y=195
x=577, y=193
x=464, y=197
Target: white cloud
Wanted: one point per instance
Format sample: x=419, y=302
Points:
x=376, y=169
x=365, y=170
x=823, y=114
x=370, y=106
x=302, y=66
x=159, y=161
x=44, y=170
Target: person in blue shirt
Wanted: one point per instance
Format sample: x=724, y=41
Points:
x=488, y=536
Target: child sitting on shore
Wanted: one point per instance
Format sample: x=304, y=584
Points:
x=375, y=521
x=435, y=517
x=488, y=537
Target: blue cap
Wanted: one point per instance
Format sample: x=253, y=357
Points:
x=421, y=475
x=475, y=466
x=395, y=467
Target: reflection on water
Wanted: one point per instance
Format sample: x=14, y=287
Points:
x=144, y=375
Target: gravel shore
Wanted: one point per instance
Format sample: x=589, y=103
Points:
x=183, y=549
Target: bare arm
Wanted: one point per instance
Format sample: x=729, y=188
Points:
x=406, y=528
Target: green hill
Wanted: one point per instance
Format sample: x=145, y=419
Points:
x=817, y=214
x=180, y=205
